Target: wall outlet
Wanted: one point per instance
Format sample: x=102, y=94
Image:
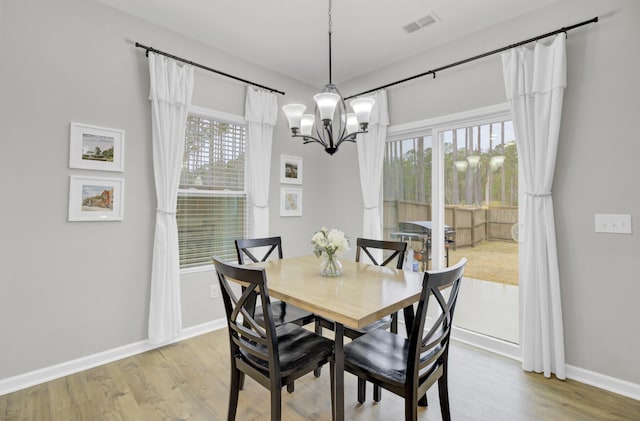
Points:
x=213, y=291
x=613, y=223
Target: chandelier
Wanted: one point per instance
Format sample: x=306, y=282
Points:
x=337, y=125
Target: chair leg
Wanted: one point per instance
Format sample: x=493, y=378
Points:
x=233, y=393
x=333, y=390
x=290, y=388
x=241, y=381
x=377, y=393
x=410, y=407
x=394, y=323
x=443, y=392
x=362, y=390
x=318, y=331
x=276, y=404
x=423, y=400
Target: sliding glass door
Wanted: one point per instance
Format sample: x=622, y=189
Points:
x=461, y=174
x=481, y=202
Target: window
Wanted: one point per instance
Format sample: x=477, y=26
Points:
x=212, y=198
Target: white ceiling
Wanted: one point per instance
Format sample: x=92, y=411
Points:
x=290, y=36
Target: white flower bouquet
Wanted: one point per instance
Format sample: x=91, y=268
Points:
x=332, y=242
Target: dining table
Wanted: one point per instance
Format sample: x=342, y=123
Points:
x=363, y=294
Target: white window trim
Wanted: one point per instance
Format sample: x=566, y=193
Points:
x=203, y=112
x=217, y=115
x=477, y=116
x=197, y=269
x=206, y=193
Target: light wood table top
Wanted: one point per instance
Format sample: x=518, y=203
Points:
x=363, y=294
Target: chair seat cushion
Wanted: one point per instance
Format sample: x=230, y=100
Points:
x=285, y=313
x=381, y=354
x=352, y=333
x=297, y=347
x=383, y=323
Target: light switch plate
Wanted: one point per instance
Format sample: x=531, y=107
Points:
x=613, y=223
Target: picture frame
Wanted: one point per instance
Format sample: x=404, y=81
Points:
x=96, y=198
x=96, y=148
x=290, y=201
x=290, y=169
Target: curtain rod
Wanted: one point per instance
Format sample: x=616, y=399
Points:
x=479, y=56
x=153, y=50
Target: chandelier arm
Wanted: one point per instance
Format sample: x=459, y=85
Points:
x=349, y=138
x=310, y=139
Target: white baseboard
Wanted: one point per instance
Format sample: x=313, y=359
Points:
x=32, y=378
x=610, y=384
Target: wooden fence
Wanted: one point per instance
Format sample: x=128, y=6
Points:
x=472, y=224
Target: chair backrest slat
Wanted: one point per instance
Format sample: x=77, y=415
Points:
x=398, y=249
x=426, y=349
x=249, y=334
x=255, y=340
x=247, y=247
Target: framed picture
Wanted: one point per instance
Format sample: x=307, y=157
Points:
x=96, y=199
x=290, y=169
x=290, y=201
x=96, y=148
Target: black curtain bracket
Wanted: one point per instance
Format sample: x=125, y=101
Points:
x=153, y=50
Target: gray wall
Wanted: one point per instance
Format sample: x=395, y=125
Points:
x=69, y=290
x=596, y=162
x=72, y=289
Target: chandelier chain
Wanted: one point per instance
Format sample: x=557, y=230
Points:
x=330, y=52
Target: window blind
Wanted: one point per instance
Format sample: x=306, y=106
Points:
x=212, y=201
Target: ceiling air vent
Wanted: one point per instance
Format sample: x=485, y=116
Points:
x=430, y=19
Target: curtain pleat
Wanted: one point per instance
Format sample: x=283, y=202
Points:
x=261, y=113
x=171, y=89
x=534, y=81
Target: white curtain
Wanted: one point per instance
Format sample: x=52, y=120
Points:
x=261, y=113
x=535, y=80
x=370, y=161
x=170, y=95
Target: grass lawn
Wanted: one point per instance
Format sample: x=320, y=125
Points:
x=495, y=261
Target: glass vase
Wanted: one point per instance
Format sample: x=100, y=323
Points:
x=330, y=265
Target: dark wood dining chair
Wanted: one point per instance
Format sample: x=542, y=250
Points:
x=409, y=366
x=272, y=355
x=365, y=246
x=283, y=312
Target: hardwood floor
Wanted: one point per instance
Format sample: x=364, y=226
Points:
x=189, y=381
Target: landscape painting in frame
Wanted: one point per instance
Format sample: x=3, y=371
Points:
x=96, y=199
x=290, y=169
x=290, y=202
x=96, y=148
